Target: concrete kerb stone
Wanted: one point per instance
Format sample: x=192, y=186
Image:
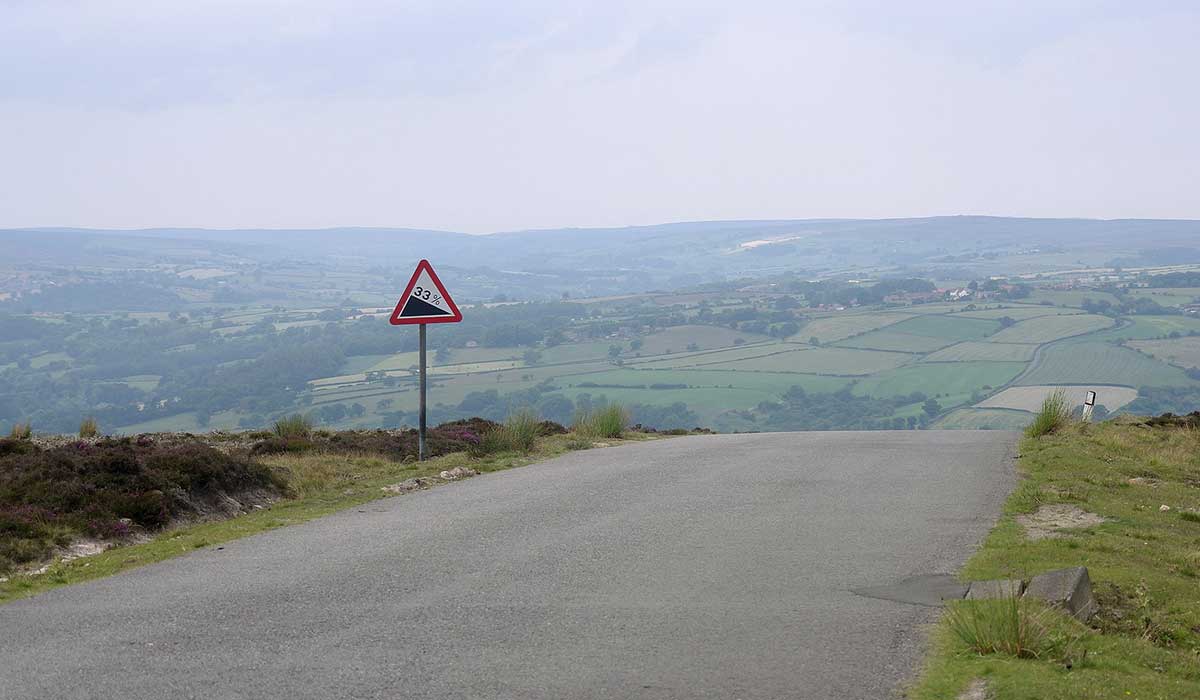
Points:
x=995, y=589
x=1069, y=589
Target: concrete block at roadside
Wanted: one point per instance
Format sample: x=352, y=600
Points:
x=995, y=589
x=1069, y=589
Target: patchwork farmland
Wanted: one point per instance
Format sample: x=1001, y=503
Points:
x=982, y=365
x=685, y=360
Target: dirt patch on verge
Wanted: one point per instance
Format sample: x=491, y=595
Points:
x=423, y=482
x=977, y=690
x=1049, y=521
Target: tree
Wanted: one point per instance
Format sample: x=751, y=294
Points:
x=357, y=410
x=815, y=341
x=785, y=329
x=614, y=350
x=931, y=407
x=442, y=355
x=637, y=343
x=557, y=408
x=532, y=357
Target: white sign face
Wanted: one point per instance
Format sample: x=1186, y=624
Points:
x=1091, y=399
x=425, y=300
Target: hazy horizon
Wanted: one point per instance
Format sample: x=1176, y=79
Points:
x=571, y=227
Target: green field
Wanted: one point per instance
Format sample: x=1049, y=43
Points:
x=829, y=329
x=47, y=358
x=1182, y=352
x=1176, y=296
x=708, y=358
x=924, y=333
x=709, y=393
x=950, y=307
x=574, y=352
x=144, y=382
x=1045, y=329
x=678, y=338
x=958, y=380
x=895, y=342
x=361, y=363
x=1101, y=363
x=839, y=361
x=1147, y=327
x=1070, y=297
x=950, y=327
x=773, y=382
x=972, y=351
x=1019, y=313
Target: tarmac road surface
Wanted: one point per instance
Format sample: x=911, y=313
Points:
x=701, y=567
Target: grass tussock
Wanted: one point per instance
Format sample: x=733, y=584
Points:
x=21, y=431
x=292, y=427
x=606, y=422
x=1054, y=415
x=518, y=433
x=89, y=428
x=1011, y=626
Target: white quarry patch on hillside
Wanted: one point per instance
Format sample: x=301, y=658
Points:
x=747, y=245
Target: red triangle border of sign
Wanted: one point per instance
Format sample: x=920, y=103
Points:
x=455, y=315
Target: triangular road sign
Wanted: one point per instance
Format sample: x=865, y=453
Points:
x=425, y=300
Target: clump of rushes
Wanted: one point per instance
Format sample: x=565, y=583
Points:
x=606, y=422
x=293, y=426
x=89, y=428
x=518, y=433
x=522, y=428
x=1054, y=415
x=21, y=431
x=1010, y=626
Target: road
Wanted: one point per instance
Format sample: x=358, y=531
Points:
x=701, y=567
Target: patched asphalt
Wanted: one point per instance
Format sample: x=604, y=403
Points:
x=702, y=567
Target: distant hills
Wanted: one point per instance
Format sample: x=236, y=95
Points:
x=665, y=255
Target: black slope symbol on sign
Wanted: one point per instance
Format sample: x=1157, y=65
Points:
x=420, y=307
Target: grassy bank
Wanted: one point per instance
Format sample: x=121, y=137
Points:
x=1144, y=563
x=315, y=482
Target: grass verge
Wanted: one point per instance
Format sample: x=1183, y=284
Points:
x=1143, y=562
x=319, y=483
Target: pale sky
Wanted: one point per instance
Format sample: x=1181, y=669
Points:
x=486, y=116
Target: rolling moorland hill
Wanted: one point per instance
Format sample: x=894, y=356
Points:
x=666, y=256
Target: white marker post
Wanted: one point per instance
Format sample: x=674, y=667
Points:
x=1089, y=404
x=424, y=301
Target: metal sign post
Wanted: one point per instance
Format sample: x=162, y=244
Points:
x=424, y=301
x=1089, y=404
x=422, y=451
